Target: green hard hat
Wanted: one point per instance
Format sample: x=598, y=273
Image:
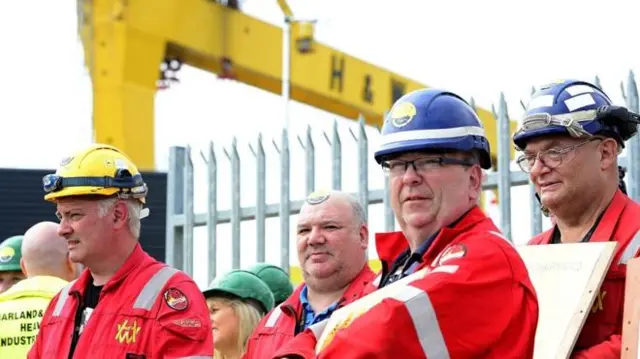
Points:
x=276, y=278
x=10, y=254
x=242, y=284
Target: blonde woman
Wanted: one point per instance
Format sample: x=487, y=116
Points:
x=237, y=301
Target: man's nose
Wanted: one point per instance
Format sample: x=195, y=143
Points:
x=316, y=237
x=410, y=175
x=539, y=168
x=64, y=229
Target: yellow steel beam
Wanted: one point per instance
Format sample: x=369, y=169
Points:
x=125, y=42
x=123, y=62
x=284, y=6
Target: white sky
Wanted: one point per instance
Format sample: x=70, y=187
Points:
x=514, y=45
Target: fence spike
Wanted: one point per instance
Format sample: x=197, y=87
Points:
x=353, y=135
x=597, y=82
x=300, y=142
x=326, y=137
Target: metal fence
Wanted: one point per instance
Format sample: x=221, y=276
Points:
x=181, y=219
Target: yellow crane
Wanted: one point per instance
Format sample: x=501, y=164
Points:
x=128, y=42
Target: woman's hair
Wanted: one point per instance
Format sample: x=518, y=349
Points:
x=248, y=318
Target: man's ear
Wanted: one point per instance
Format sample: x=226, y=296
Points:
x=120, y=214
x=475, y=182
x=23, y=267
x=364, y=236
x=608, y=153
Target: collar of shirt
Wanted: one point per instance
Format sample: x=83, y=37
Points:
x=407, y=262
x=309, y=317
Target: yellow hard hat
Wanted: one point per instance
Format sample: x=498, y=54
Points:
x=100, y=170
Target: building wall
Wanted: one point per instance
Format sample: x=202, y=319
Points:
x=22, y=205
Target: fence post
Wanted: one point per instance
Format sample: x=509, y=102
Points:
x=310, y=155
x=212, y=211
x=261, y=201
x=336, y=155
x=285, y=205
x=633, y=145
x=188, y=213
x=504, y=156
x=234, y=158
x=175, y=206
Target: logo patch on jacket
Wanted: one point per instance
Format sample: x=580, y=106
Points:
x=127, y=333
x=175, y=299
x=134, y=356
x=453, y=252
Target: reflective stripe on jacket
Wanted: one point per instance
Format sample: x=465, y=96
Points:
x=279, y=325
x=146, y=310
x=476, y=301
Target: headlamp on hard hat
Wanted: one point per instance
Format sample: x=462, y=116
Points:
x=130, y=186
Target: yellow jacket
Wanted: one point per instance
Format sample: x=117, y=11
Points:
x=21, y=310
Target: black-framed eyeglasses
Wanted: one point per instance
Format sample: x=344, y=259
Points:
x=551, y=158
x=421, y=165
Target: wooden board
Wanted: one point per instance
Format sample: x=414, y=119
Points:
x=567, y=278
x=631, y=323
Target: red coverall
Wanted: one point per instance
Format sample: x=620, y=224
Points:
x=477, y=302
x=146, y=310
x=278, y=327
x=601, y=335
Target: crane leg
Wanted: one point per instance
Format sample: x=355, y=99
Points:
x=125, y=65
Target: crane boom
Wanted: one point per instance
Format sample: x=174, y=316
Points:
x=126, y=41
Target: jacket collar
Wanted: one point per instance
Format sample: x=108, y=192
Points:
x=608, y=223
x=292, y=305
x=136, y=257
x=391, y=245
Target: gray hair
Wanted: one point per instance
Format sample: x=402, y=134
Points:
x=359, y=217
x=134, y=208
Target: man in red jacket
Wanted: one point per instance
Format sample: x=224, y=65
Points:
x=571, y=137
x=332, y=242
x=125, y=303
x=474, y=298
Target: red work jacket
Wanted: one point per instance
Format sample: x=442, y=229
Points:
x=146, y=310
x=601, y=335
x=279, y=326
x=477, y=301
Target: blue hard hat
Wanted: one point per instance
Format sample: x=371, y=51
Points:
x=575, y=108
x=433, y=120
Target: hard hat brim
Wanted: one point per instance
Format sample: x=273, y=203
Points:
x=83, y=191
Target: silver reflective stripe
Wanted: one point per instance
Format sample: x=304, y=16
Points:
x=273, y=317
x=151, y=290
x=376, y=280
x=631, y=250
x=425, y=321
x=62, y=298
